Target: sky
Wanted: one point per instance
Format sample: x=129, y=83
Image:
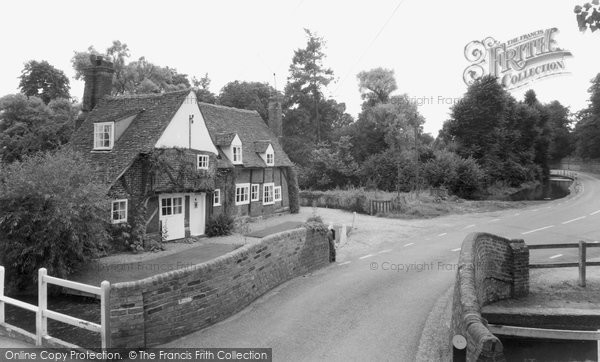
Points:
x=422, y=41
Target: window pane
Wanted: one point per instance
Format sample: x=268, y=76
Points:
x=177, y=205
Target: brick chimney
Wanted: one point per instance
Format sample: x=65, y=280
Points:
x=275, y=121
x=98, y=84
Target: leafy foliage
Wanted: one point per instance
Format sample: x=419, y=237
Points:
x=42, y=80
x=253, y=96
x=376, y=85
x=587, y=129
x=331, y=166
x=462, y=177
x=28, y=125
x=52, y=214
x=588, y=16
x=309, y=117
x=220, y=225
x=293, y=190
x=508, y=139
x=138, y=76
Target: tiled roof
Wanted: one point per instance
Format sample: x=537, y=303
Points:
x=249, y=126
x=223, y=139
x=261, y=146
x=154, y=112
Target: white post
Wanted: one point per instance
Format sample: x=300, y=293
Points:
x=41, y=325
x=343, y=236
x=1, y=295
x=353, y=219
x=105, y=314
x=598, y=346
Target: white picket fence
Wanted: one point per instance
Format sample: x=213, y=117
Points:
x=41, y=336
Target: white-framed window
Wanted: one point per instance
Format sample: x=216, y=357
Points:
x=217, y=197
x=119, y=211
x=237, y=154
x=104, y=135
x=202, y=162
x=277, y=193
x=270, y=158
x=268, y=193
x=254, y=192
x=171, y=206
x=242, y=194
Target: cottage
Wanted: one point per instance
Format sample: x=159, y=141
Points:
x=171, y=162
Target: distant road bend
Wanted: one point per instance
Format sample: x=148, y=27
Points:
x=373, y=302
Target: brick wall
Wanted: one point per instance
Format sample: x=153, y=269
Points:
x=164, y=307
x=490, y=268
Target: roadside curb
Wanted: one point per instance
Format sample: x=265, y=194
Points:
x=435, y=338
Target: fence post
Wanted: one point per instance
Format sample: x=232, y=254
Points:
x=582, y=261
x=41, y=325
x=459, y=348
x=105, y=314
x=1, y=294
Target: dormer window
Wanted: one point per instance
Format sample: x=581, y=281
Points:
x=270, y=158
x=104, y=135
x=237, y=154
x=202, y=162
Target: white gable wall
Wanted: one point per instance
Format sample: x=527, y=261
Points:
x=269, y=149
x=177, y=133
x=228, y=150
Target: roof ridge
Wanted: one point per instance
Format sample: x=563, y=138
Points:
x=228, y=107
x=146, y=95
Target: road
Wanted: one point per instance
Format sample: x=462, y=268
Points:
x=359, y=309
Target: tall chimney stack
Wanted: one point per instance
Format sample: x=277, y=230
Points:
x=98, y=84
x=275, y=120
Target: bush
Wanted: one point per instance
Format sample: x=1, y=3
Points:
x=220, y=225
x=53, y=214
x=461, y=176
x=293, y=191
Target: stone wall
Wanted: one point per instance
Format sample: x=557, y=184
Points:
x=167, y=306
x=490, y=268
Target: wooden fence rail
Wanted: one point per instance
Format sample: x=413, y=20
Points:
x=43, y=313
x=581, y=264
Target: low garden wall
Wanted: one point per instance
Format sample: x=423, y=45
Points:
x=490, y=268
x=164, y=307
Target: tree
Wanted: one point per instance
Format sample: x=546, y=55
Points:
x=27, y=125
x=331, y=166
x=508, y=139
x=201, y=88
x=376, y=85
x=587, y=129
x=559, y=121
x=303, y=92
x=53, y=214
x=253, y=96
x=139, y=76
x=40, y=79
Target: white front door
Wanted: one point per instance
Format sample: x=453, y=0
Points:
x=172, y=215
x=197, y=213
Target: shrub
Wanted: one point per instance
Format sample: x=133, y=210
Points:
x=220, y=225
x=293, y=191
x=461, y=176
x=53, y=214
